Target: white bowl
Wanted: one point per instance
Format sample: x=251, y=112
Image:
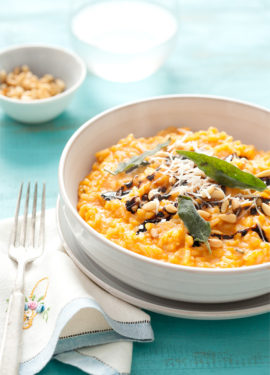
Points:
x=244, y=121
x=41, y=60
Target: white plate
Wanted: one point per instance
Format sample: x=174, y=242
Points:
x=111, y=284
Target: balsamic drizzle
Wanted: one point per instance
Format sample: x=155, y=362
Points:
x=109, y=195
x=132, y=205
x=151, y=177
x=243, y=232
x=157, y=219
x=129, y=184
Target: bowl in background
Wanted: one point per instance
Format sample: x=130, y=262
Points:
x=124, y=40
x=42, y=59
x=244, y=121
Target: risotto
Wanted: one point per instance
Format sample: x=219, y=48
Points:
x=131, y=197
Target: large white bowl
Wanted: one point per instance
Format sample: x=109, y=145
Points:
x=42, y=59
x=246, y=122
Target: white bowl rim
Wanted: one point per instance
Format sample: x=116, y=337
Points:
x=119, y=248
x=55, y=48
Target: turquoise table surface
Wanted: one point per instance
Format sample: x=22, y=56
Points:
x=223, y=49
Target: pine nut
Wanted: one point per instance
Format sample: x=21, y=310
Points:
x=152, y=194
x=23, y=84
x=172, y=180
x=266, y=209
x=211, y=189
x=215, y=242
x=204, y=214
x=149, y=206
x=134, y=208
x=263, y=173
x=224, y=206
x=208, y=192
x=230, y=218
x=170, y=208
x=217, y=194
x=198, y=172
x=235, y=204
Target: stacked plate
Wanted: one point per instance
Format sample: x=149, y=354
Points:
x=164, y=288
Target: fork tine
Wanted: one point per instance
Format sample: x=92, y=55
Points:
x=15, y=229
x=42, y=218
x=25, y=215
x=34, y=212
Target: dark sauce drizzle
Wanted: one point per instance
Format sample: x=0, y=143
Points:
x=157, y=219
x=243, y=232
x=123, y=190
x=132, y=205
x=151, y=177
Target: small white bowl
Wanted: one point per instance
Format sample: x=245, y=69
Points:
x=246, y=122
x=42, y=59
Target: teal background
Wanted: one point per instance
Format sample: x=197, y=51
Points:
x=223, y=49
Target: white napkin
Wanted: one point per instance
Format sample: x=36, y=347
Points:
x=67, y=315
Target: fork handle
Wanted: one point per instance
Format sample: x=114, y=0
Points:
x=11, y=344
x=10, y=354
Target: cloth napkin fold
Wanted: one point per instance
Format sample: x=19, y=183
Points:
x=67, y=316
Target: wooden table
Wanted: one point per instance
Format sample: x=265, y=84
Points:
x=223, y=49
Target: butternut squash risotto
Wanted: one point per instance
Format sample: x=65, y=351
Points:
x=131, y=196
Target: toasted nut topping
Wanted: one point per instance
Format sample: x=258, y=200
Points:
x=152, y=194
x=224, y=206
x=172, y=180
x=217, y=194
x=266, y=209
x=198, y=172
x=215, y=242
x=258, y=201
x=170, y=208
x=134, y=208
x=211, y=189
x=204, y=214
x=154, y=232
x=235, y=204
x=230, y=218
x=263, y=173
x=149, y=206
x=22, y=84
x=206, y=193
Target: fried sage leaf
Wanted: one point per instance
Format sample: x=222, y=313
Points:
x=137, y=160
x=224, y=173
x=198, y=228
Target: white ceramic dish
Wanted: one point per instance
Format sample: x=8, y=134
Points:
x=180, y=309
x=42, y=59
x=244, y=121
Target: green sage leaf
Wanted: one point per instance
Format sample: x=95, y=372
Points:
x=198, y=228
x=137, y=160
x=224, y=173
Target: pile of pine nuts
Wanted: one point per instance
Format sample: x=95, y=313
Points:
x=22, y=84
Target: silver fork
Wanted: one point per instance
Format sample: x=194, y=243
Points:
x=26, y=245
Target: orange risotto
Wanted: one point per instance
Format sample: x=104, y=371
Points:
x=137, y=208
